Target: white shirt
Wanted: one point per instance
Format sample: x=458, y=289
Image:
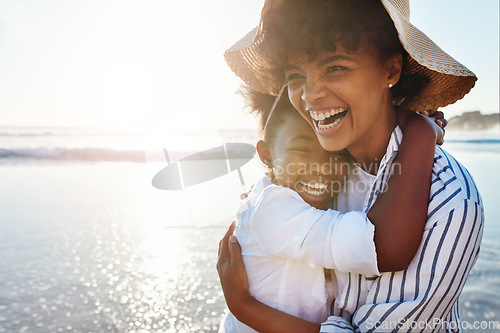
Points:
x=423, y=297
x=355, y=190
x=285, y=245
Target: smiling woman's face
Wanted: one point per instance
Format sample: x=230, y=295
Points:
x=343, y=95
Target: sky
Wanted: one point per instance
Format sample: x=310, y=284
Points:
x=158, y=64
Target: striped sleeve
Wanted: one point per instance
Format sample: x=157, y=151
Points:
x=422, y=297
x=336, y=324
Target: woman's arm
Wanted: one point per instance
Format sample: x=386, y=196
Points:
x=244, y=307
x=247, y=309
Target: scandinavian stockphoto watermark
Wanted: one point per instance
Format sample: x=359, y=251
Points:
x=432, y=324
x=338, y=174
x=213, y=179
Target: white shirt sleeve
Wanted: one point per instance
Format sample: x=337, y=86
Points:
x=286, y=226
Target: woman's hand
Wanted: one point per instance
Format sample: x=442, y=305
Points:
x=232, y=274
x=233, y=279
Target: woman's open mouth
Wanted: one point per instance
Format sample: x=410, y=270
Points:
x=325, y=120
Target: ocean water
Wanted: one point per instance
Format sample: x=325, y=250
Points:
x=87, y=244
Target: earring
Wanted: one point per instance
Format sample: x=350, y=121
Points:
x=390, y=85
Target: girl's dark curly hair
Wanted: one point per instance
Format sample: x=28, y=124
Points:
x=312, y=26
x=260, y=104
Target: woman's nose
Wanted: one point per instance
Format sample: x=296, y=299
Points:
x=312, y=91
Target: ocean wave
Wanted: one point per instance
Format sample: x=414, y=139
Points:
x=475, y=141
x=99, y=154
x=73, y=154
x=92, y=132
x=41, y=132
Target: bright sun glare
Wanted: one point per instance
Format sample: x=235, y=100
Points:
x=132, y=64
x=159, y=64
x=143, y=74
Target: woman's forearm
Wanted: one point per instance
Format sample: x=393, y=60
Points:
x=266, y=319
x=244, y=307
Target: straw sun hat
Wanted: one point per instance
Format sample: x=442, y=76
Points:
x=449, y=80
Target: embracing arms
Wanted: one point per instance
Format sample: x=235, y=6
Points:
x=416, y=158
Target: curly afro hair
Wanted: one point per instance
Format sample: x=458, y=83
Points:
x=313, y=26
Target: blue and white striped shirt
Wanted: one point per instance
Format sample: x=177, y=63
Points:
x=423, y=297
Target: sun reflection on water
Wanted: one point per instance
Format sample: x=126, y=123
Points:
x=162, y=283
x=163, y=252
x=104, y=266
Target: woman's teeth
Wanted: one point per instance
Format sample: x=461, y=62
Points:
x=320, y=117
x=315, y=189
x=325, y=115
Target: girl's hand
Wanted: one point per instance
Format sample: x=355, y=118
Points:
x=437, y=115
x=434, y=118
x=232, y=274
x=440, y=120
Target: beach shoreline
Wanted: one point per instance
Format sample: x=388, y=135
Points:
x=93, y=246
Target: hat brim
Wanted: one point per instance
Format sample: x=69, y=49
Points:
x=448, y=80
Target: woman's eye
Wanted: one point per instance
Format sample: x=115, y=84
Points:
x=333, y=69
x=293, y=77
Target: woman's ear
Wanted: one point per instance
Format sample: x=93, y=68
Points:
x=264, y=153
x=394, y=66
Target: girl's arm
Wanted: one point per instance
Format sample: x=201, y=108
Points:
x=266, y=319
x=285, y=226
x=399, y=214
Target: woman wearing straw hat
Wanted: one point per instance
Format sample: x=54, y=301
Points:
x=349, y=65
